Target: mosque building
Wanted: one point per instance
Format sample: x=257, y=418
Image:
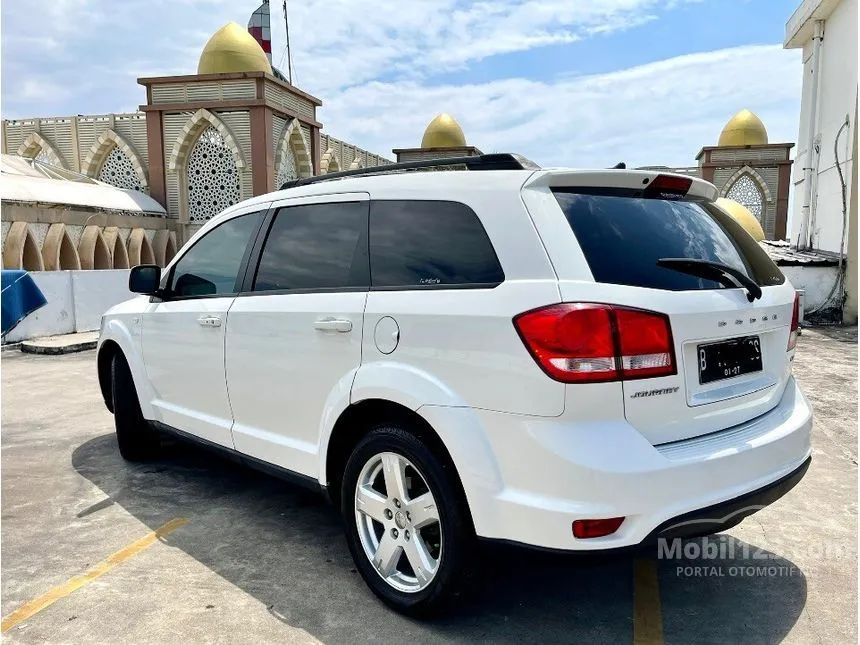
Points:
x=115, y=190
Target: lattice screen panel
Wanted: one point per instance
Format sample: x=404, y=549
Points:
x=117, y=170
x=745, y=191
x=213, y=179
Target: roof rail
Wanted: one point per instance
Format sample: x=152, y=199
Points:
x=496, y=161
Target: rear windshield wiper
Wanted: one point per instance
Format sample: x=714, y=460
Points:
x=722, y=273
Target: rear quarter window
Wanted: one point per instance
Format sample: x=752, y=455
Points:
x=416, y=243
x=623, y=237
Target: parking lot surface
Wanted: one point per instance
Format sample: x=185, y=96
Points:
x=239, y=557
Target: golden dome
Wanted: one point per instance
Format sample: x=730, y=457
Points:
x=232, y=49
x=743, y=217
x=743, y=129
x=443, y=132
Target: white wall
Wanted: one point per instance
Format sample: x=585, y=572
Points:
x=816, y=282
x=76, y=302
x=837, y=94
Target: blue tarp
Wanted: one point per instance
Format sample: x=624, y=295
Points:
x=20, y=297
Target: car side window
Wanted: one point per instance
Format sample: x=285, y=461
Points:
x=315, y=246
x=211, y=266
x=430, y=243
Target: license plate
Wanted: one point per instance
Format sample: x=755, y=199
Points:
x=729, y=358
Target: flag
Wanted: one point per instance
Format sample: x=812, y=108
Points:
x=260, y=27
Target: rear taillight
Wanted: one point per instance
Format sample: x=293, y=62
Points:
x=795, y=323
x=589, y=342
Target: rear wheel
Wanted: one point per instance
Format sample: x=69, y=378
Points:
x=406, y=522
x=137, y=441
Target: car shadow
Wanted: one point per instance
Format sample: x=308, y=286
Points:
x=284, y=546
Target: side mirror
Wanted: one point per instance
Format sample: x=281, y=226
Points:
x=145, y=279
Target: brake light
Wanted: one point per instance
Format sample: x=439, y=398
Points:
x=667, y=187
x=596, y=528
x=589, y=342
x=795, y=323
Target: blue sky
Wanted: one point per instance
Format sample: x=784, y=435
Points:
x=565, y=82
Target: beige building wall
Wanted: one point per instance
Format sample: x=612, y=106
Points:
x=80, y=143
x=76, y=238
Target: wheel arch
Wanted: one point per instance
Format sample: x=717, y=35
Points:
x=117, y=339
x=107, y=351
x=358, y=419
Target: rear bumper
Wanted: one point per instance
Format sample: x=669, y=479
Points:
x=725, y=515
x=710, y=520
x=549, y=473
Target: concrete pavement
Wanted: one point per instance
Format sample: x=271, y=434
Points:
x=260, y=561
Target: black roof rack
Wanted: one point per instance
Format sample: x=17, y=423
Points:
x=495, y=161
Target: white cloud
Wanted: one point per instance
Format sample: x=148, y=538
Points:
x=377, y=65
x=660, y=113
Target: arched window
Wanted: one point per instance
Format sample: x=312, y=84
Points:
x=287, y=170
x=44, y=157
x=118, y=170
x=745, y=191
x=213, y=178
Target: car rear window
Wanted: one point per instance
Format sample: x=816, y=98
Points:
x=623, y=237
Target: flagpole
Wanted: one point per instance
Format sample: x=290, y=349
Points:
x=289, y=53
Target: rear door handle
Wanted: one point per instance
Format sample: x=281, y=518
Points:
x=333, y=324
x=210, y=321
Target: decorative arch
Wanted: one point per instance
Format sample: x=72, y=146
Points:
x=293, y=140
x=139, y=248
x=746, y=191
x=356, y=163
x=99, y=151
x=192, y=129
x=35, y=144
x=58, y=251
x=20, y=249
x=747, y=170
x=93, y=250
x=329, y=162
x=118, y=252
x=164, y=247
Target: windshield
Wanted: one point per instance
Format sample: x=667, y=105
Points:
x=623, y=237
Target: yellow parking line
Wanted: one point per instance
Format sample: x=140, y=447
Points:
x=647, y=616
x=47, y=599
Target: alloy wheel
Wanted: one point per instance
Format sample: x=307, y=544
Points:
x=398, y=522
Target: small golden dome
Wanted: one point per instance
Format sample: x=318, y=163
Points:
x=232, y=49
x=742, y=216
x=443, y=132
x=743, y=129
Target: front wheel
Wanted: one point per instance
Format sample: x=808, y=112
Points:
x=406, y=522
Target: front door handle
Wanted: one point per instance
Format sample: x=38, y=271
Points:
x=333, y=324
x=209, y=321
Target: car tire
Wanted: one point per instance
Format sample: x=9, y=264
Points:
x=443, y=548
x=137, y=440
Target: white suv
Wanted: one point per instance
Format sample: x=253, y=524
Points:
x=565, y=359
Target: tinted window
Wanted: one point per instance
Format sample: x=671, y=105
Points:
x=211, y=266
x=417, y=243
x=319, y=246
x=623, y=237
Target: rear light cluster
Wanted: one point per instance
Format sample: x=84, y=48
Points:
x=589, y=342
x=795, y=323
